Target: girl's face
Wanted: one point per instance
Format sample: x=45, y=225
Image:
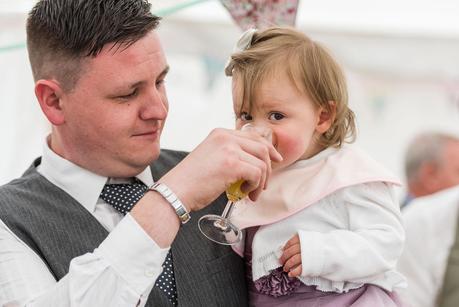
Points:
x=295, y=122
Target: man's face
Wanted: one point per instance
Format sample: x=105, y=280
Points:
x=448, y=172
x=114, y=116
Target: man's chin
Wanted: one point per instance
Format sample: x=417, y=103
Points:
x=148, y=159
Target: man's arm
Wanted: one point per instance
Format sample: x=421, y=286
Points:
x=125, y=266
x=141, y=240
x=224, y=157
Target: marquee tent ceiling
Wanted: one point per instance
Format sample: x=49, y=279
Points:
x=420, y=17
x=410, y=38
x=406, y=39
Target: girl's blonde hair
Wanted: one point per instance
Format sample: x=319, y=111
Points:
x=309, y=66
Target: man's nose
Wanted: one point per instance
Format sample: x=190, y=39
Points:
x=155, y=105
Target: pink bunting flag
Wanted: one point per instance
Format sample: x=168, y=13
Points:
x=261, y=14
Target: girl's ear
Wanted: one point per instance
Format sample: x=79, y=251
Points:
x=326, y=117
x=49, y=94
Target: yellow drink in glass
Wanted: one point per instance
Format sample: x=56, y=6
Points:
x=219, y=228
x=234, y=192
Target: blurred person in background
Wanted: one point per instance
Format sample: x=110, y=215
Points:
x=430, y=260
x=431, y=164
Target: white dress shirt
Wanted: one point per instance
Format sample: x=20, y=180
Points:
x=120, y=272
x=430, y=224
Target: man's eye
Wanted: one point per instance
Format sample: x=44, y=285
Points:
x=246, y=116
x=130, y=95
x=160, y=82
x=276, y=116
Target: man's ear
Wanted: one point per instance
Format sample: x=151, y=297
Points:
x=49, y=94
x=326, y=117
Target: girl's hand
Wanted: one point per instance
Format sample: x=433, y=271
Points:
x=291, y=258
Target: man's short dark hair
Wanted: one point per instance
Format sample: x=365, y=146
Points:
x=61, y=33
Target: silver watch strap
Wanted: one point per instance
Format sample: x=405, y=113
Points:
x=173, y=200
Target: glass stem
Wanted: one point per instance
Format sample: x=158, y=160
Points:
x=228, y=210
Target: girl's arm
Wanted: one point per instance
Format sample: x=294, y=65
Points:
x=368, y=247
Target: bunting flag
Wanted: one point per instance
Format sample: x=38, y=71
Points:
x=261, y=14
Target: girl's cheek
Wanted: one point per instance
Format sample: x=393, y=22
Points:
x=290, y=147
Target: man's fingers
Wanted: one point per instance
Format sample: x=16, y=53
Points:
x=254, y=181
x=223, y=158
x=273, y=154
x=261, y=152
x=253, y=177
x=255, y=146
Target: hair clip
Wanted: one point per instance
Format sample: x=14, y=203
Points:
x=244, y=42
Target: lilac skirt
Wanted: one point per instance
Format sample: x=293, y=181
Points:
x=300, y=295
x=365, y=296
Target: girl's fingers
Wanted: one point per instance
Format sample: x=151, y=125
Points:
x=289, y=253
x=292, y=262
x=294, y=240
x=296, y=271
x=292, y=247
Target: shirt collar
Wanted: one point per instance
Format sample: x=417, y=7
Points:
x=82, y=184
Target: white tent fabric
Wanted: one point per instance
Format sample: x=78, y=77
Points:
x=400, y=59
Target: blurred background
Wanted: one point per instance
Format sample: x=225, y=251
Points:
x=400, y=57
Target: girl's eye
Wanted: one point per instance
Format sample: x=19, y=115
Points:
x=276, y=116
x=245, y=116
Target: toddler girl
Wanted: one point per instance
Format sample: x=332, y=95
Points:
x=327, y=230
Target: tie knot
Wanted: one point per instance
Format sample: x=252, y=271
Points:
x=123, y=196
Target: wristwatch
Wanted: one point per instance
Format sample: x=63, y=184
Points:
x=173, y=200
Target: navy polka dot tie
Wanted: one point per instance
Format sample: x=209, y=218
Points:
x=123, y=197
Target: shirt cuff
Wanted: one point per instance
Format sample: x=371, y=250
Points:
x=312, y=253
x=133, y=254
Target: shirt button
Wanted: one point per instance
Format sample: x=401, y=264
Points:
x=150, y=273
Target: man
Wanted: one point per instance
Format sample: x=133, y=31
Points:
x=431, y=236
x=431, y=164
x=68, y=236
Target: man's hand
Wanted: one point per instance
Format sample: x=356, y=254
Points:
x=291, y=258
x=223, y=158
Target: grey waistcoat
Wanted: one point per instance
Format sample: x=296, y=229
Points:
x=59, y=229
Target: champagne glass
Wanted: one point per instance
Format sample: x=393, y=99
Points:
x=219, y=228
